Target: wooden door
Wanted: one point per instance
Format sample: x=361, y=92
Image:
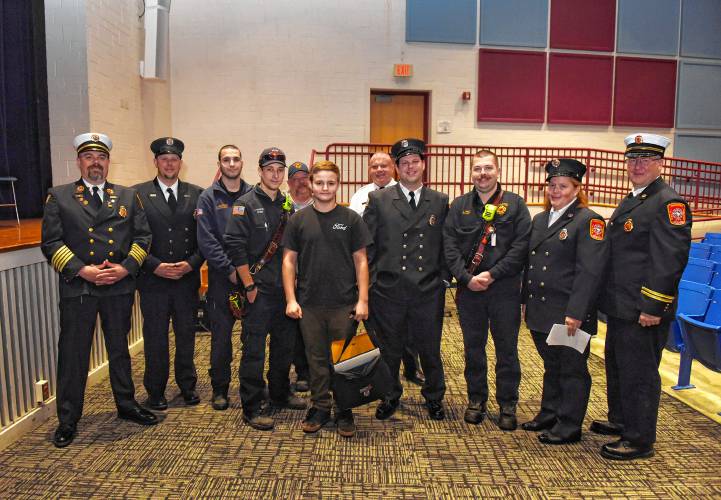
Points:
x=396, y=116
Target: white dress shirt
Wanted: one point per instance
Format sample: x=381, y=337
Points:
x=174, y=187
x=359, y=200
x=554, y=215
x=101, y=189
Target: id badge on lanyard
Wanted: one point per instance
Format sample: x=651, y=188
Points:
x=493, y=239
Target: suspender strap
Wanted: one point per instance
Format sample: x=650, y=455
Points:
x=273, y=245
x=488, y=230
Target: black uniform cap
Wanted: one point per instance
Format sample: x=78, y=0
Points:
x=406, y=147
x=167, y=145
x=565, y=167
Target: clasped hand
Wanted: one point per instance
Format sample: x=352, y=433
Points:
x=106, y=273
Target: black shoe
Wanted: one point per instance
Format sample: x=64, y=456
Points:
x=138, y=415
x=538, y=425
x=191, y=397
x=345, y=424
x=415, y=378
x=548, y=437
x=259, y=419
x=220, y=401
x=507, y=420
x=314, y=420
x=606, y=428
x=435, y=410
x=302, y=386
x=623, y=450
x=64, y=435
x=386, y=408
x=159, y=403
x=475, y=413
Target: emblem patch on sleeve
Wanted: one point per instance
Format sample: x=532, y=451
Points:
x=596, y=229
x=238, y=209
x=676, y=213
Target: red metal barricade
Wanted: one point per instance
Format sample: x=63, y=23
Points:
x=522, y=171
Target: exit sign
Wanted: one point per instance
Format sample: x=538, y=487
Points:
x=403, y=70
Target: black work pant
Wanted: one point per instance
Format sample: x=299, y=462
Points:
x=266, y=316
x=418, y=323
x=300, y=360
x=179, y=302
x=632, y=356
x=221, y=332
x=78, y=317
x=320, y=327
x=501, y=313
x=566, y=386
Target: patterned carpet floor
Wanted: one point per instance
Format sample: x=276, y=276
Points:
x=196, y=452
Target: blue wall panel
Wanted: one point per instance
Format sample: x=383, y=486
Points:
x=701, y=28
x=435, y=21
x=648, y=26
x=698, y=104
x=697, y=147
x=515, y=23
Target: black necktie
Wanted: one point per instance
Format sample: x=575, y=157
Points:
x=412, y=203
x=172, y=202
x=97, y=202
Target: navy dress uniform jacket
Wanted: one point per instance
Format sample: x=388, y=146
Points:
x=565, y=269
x=407, y=244
x=649, y=238
x=75, y=234
x=174, y=234
x=506, y=259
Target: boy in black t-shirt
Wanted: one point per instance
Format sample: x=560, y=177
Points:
x=327, y=242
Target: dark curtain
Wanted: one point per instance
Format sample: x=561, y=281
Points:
x=24, y=127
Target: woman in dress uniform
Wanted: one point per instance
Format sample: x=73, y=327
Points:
x=566, y=259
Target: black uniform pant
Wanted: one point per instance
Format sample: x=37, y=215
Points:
x=501, y=312
x=179, y=302
x=300, y=360
x=221, y=331
x=633, y=354
x=266, y=315
x=320, y=327
x=78, y=317
x=418, y=323
x=566, y=386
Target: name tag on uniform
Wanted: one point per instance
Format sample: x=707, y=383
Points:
x=493, y=239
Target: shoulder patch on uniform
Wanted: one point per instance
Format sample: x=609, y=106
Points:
x=238, y=209
x=676, y=213
x=596, y=229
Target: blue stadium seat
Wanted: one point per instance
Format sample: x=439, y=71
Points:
x=712, y=238
x=699, y=271
x=702, y=341
x=693, y=300
x=700, y=250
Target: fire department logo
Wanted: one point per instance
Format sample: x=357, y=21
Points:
x=169, y=141
x=110, y=191
x=628, y=225
x=95, y=137
x=676, y=213
x=79, y=189
x=122, y=211
x=597, y=229
x=502, y=208
x=432, y=220
x=638, y=139
x=404, y=143
x=563, y=234
x=555, y=162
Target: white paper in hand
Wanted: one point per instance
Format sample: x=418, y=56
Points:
x=559, y=336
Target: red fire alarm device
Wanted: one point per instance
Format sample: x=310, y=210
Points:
x=403, y=70
x=466, y=96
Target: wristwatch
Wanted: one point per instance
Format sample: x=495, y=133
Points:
x=250, y=287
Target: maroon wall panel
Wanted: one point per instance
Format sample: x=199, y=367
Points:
x=645, y=92
x=511, y=86
x=583, y=24
x=579, y=89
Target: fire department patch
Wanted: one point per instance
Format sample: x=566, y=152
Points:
x=122, y=211
x=676, y=213
x=628, y=225
x=222, y=205
x=563, y=234
x=466, y=212
x=596, y=229
x=432, y=220
x=502, y=208
x=109, y=191
x=238, y=209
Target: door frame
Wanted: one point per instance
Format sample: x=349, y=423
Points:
x=426, y=106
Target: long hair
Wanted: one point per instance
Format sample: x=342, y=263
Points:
x=581, y=196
